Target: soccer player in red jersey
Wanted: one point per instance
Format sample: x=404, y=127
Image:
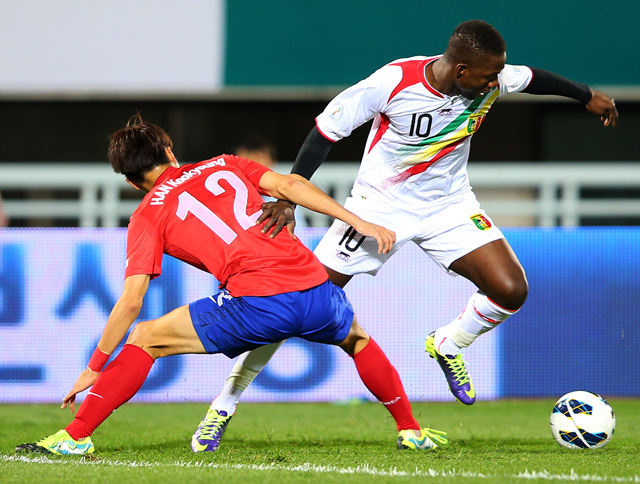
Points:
x=273, y=288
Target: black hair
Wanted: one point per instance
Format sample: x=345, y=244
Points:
x=473, y=39
x=138, y=148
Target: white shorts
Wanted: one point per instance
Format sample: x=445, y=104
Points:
x=444, y=235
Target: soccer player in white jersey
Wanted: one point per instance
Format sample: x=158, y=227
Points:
x=413, y=178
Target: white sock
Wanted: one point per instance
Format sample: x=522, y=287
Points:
x=247, y=367
x=480, y=315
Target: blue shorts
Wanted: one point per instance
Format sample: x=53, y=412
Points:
x=233, y=325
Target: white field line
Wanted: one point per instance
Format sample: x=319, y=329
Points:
x=368, y=470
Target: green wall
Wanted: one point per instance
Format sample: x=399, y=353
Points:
x=338, y=42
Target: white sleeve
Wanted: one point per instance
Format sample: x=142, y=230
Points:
x=514, y=79
x=358, y=104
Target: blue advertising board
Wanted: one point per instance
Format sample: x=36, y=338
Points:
x=577, y=331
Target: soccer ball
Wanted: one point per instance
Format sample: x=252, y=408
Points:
x=582, y=420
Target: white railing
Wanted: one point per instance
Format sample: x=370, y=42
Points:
x=99, y=201
x=544, y=194
x=550, y=193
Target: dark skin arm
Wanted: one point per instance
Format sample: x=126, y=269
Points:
x=279, y=214
x=546, y=82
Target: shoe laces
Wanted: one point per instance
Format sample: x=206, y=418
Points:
x=456, y=364
x=51, y=440
x=212, y=423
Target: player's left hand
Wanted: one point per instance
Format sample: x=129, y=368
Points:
x=385, y=237
x=86, y=379
x=604, y=106
x=277, y=215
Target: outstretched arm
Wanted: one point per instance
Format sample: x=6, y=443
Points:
x=545, y=82
x=124, y=313
x=302, y=192
x=122, y=316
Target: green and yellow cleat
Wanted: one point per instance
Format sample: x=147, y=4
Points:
x=428, y=439
x=60, y=443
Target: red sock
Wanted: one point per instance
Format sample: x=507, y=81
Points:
x=382, y=379
x=116, y=385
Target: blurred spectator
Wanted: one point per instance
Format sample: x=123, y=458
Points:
x=4, y=217
x=257, y=149
x=262, y=151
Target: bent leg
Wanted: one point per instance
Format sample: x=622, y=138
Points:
x=496, y=271
x=171, y=334
x=379, y=376
x=503, y=289
x=245, y=370
x=123, y=377
x=117, y=383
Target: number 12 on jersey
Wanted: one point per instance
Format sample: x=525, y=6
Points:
x=187, y=203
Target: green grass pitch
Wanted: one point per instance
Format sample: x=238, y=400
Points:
x=495, y=441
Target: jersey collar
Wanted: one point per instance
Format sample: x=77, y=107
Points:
x=429, y=87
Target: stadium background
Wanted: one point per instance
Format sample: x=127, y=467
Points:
x=213, y=72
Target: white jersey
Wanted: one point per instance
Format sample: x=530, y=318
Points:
x=417, y=151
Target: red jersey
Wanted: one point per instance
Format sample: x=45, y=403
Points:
x=204, y=214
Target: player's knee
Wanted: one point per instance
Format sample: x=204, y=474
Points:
x=511, y=293
x=356, y=340
x=142, y=334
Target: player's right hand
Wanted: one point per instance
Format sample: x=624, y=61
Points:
x=277, y=215
x=385, y=237
x=604, y=106
x=86, y=379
